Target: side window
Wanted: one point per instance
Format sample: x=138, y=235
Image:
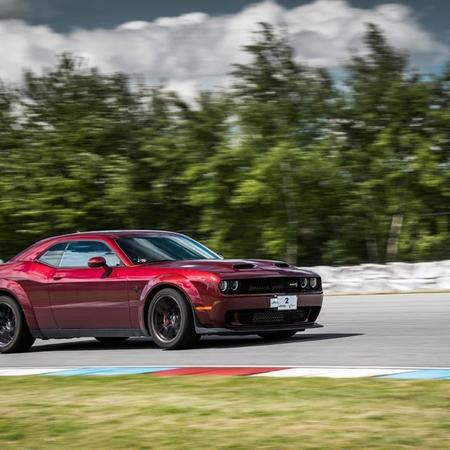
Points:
x=53, y=255
x=78, y=253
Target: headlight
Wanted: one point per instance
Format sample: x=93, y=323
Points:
x=223, y=286
x=313, y=283
x=303, y=283
x=234, y=285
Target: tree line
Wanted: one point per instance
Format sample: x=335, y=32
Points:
x=289, y=163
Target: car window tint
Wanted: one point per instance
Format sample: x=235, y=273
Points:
x=78, y=253
x=53, y=255
x=142, y=249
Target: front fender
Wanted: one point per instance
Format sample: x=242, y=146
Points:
x=179, y=282
x=15, y=290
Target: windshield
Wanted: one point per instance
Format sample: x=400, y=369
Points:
x=147, y=249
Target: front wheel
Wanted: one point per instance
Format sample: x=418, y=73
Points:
x=170, y=321
x=15, y=336
x=278, y=334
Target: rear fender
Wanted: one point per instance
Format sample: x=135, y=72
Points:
x=14, y=290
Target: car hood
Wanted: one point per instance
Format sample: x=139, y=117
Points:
x=239, y=268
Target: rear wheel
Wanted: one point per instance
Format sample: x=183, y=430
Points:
x=278, y=334
x=111, y=340
x=170, y=321
x=15, y=336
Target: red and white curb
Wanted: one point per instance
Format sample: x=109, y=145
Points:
x=260, y=371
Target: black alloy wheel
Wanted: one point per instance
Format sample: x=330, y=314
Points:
x=170, y=320
x=167, y=319
x=14, y=333
x=7, y=324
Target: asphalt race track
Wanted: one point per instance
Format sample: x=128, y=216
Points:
x=407, y=330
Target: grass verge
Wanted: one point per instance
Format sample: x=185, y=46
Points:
x=142, y=412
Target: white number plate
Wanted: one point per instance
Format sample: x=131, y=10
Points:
x=284, y=302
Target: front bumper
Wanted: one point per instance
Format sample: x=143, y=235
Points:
x=249, y=314
x=256, y=330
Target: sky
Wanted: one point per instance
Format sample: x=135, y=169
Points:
x=190, y=44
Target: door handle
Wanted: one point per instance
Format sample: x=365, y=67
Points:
x=58, y=277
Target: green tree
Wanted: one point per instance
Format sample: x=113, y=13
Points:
x=284, y=115
x=387, y=148
x=285, y=165
x=71, y=171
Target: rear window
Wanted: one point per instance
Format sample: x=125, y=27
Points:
x=78, y=253
x=53, y=255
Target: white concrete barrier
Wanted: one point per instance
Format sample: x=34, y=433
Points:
x=384, y=278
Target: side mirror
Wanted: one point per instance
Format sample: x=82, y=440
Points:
x=97, y=261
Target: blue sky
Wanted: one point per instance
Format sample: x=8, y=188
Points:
x=189, y=45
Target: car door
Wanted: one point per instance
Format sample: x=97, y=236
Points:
x=89, y=298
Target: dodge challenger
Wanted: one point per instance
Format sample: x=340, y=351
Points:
x=111, y=285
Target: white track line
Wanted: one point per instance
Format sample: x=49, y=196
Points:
x=330, y=373
x=279, y=371
x=20, y=371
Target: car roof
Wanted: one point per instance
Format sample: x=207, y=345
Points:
x=31, y=251
x=111, y=233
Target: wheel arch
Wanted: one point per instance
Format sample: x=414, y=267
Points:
x=154, y=289
x=16, y=292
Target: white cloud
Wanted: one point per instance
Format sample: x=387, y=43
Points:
x=13, y=8
x=196, y=50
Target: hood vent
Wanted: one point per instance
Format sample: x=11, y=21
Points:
x=282, y=264
x=242, y=266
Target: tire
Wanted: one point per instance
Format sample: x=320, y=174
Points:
x=170, y=321
x=111, y=340
x=274, y=335
x=15, y=335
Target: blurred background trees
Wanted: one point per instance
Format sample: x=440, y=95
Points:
x=287, y=164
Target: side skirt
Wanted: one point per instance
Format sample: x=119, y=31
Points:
x=88, y=332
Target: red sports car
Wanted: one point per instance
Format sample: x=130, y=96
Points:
x=115, y=284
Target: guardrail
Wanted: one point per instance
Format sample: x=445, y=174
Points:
x=384, y=278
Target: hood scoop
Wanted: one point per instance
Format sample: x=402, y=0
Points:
x=282, y=264
x=243, y=266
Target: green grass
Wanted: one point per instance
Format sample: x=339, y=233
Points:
x=142, y=412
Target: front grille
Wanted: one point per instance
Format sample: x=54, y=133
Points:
x=274, y=285
x=271, y=317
